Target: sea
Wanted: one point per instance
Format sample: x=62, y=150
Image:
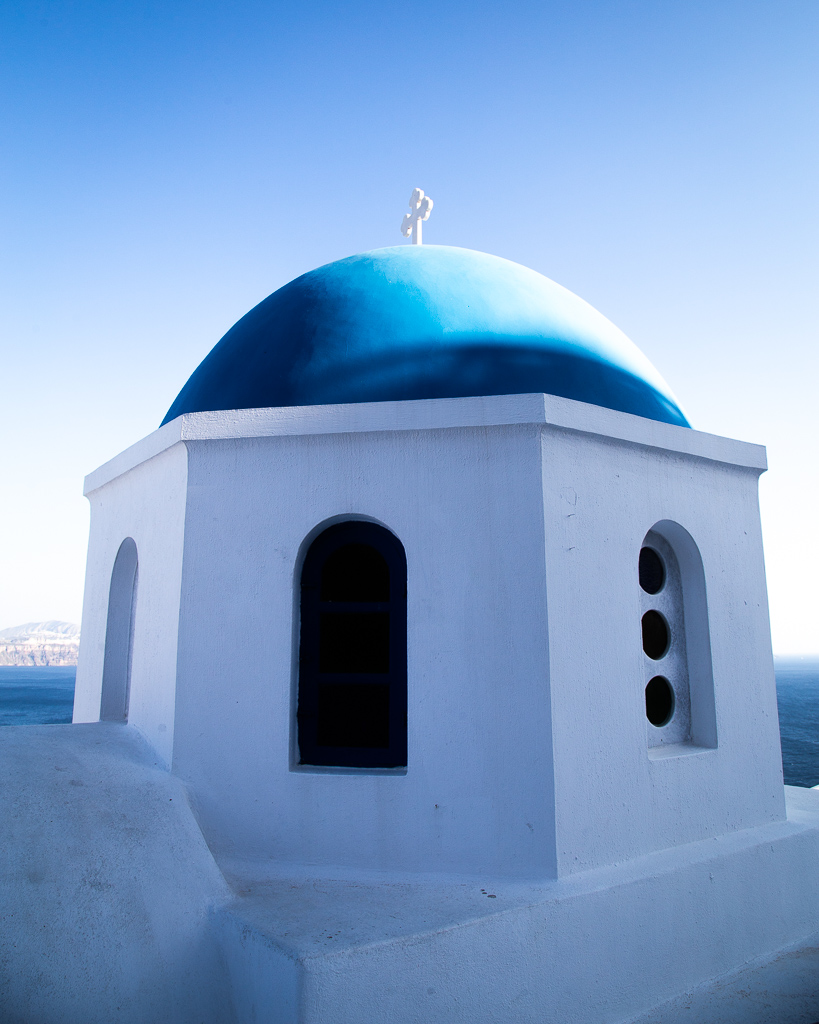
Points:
x=45, y=696
x=36, y=696
x=797, y=694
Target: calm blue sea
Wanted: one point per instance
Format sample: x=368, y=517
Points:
x=797, y=693
x=30, y=696
x=36, y=696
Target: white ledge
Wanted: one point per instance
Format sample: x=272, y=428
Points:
x=431, y=414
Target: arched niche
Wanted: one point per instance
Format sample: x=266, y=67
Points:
x=352, y=669
x=679, y=683
x=119, y=635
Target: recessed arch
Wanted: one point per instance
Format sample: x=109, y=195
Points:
x=352, y=668
x=119, y=635
x=672, y=590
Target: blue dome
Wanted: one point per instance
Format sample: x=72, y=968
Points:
x=427, y=321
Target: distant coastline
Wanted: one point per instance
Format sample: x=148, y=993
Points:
x=48, y=644
x=40, y=656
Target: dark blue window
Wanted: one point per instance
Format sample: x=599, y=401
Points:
x=352, y=709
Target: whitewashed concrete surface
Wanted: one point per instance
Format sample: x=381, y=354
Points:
x=112, y=909
x=428, y=414
x=777, y=989
x=541, y=858
x=105, y=885
x=148, y=505
x=522, y=519
x=598, y=948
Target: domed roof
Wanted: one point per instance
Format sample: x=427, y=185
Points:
x=427, y=321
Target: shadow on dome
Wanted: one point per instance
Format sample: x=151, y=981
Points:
x=485, y=369
x=408, y=323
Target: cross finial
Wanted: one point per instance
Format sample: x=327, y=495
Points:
x=420, y=206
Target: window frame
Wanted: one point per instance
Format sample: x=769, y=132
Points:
x=309, y=755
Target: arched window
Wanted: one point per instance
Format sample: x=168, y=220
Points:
x=679, y=689
x=352, y=691
x=119, y=635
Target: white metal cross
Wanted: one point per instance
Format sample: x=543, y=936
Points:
x=421, y=206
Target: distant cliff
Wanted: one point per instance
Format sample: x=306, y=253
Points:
x=40, y=643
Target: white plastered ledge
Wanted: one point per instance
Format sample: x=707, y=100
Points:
x=431, y=414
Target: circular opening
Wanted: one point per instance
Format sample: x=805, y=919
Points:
x=659, y=701
x=655, y=635
x=652, y=571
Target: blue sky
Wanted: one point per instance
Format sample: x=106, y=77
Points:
x=164, y=166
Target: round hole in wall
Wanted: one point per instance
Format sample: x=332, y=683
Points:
x=652, y=571
x=655, y=635
x=659, y=701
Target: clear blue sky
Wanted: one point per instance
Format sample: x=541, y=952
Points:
x=164, y=166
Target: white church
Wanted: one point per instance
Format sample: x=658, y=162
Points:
x=425, y=678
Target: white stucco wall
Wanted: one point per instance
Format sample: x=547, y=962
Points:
x=146, y=503
x=617, y=802
x=522, y=519
x=476, y=794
